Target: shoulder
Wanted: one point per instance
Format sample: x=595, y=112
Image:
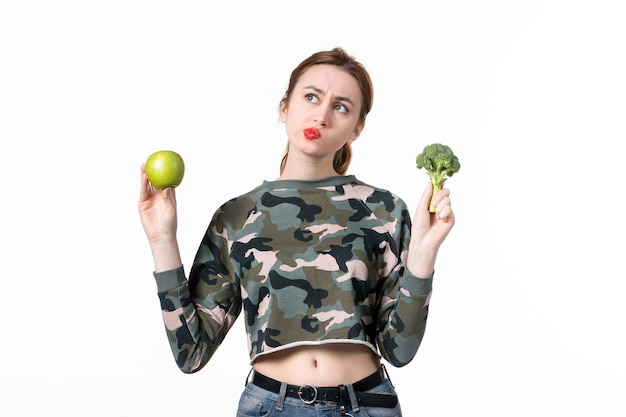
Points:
x=373, y=195
x=237, y=209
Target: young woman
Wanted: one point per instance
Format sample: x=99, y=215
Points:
x=331, y=273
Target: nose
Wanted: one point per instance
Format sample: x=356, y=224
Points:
x=321, y=118
x=319, y=121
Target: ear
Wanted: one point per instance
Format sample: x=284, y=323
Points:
x=357, y=132
x=283, y=110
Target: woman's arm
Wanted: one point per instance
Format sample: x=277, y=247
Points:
x=157, y=211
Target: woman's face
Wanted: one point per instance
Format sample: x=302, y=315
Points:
x=322, y=112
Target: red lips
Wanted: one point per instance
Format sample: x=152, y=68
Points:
x=312, y=133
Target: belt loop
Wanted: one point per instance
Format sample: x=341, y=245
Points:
x=281, y=396
x=386, y=374
x=354, y=403
x=248, y=376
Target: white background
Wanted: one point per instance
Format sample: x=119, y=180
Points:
x=527, y=316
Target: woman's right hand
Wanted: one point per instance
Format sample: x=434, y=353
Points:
x=157, y=211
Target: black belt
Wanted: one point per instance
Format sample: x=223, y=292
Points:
x=310, y=394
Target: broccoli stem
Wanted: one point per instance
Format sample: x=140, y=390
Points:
x=436, y=188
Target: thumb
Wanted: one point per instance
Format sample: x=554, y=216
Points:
x=170, y=194
x=424, y=202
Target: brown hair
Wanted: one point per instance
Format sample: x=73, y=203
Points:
x=340, y=58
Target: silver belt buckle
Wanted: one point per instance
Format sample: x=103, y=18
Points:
x=309, y=388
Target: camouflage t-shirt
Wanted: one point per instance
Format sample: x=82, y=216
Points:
x=311, y=262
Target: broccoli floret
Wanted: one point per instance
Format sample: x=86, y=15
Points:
x=440, y=163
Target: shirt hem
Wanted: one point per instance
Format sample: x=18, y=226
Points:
x=316, y=343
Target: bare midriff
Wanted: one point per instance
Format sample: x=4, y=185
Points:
x=322, y=366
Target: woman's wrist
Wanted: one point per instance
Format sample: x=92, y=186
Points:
x=421, y=261
x=166, y=255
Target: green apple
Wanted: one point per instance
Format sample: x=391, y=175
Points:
x=165, y=169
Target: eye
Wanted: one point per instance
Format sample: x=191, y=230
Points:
x=341, y=108
x=312, y=98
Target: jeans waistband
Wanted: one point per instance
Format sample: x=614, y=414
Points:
x=310, y=394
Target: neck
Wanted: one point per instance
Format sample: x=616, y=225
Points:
x=307, y=170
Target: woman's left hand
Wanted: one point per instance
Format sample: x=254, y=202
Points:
x=429, y=230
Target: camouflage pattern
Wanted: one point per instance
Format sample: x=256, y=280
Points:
x=309, y=262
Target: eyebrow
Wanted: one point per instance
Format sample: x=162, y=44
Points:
x=319, y=91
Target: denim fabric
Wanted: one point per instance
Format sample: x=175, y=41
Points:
x=257, y=402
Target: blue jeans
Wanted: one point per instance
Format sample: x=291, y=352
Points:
x=258, y=402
